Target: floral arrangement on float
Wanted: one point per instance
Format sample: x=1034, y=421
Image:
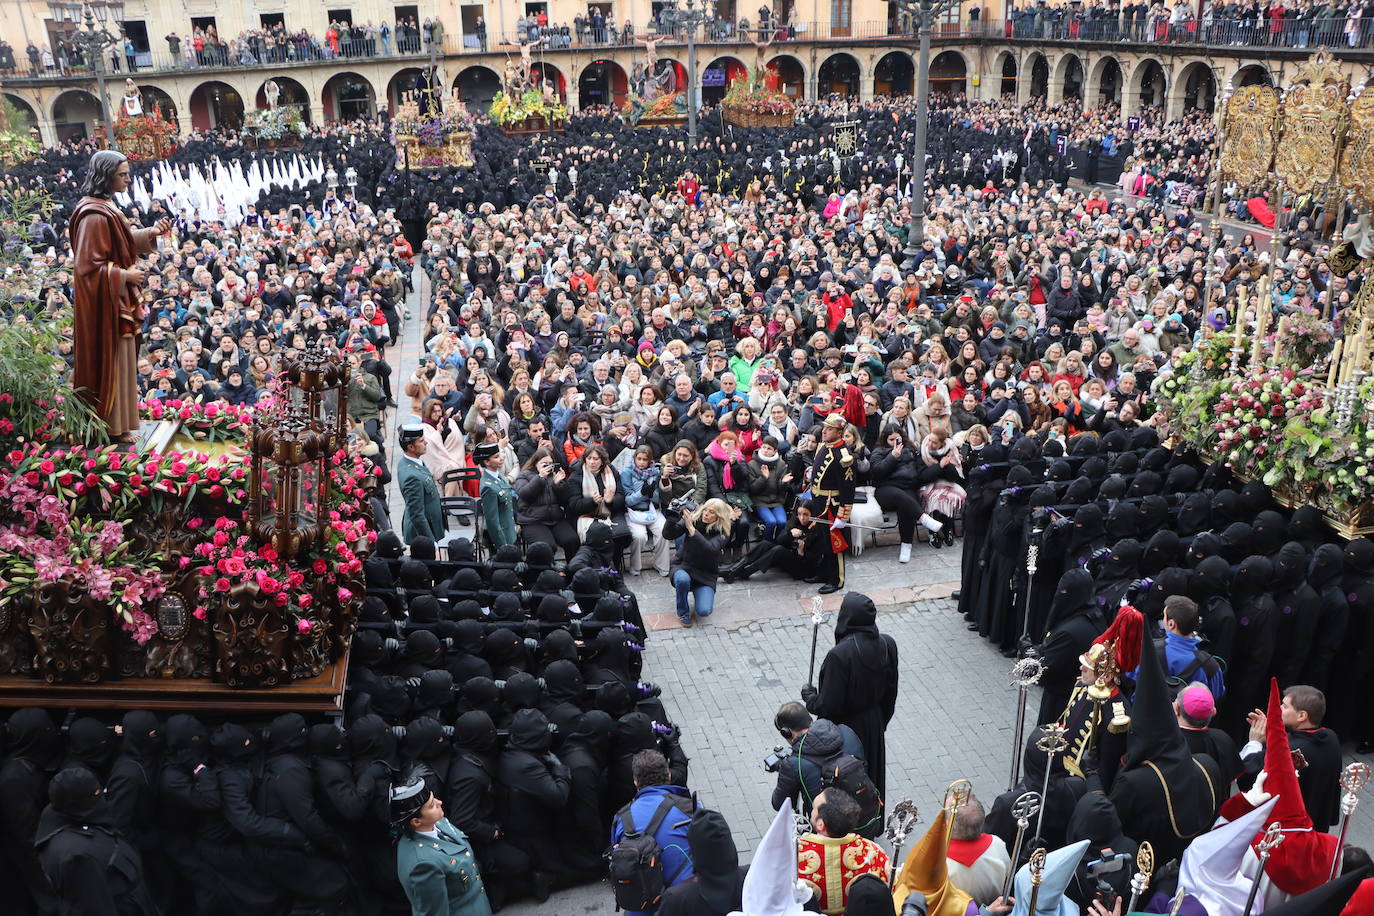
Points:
x=210, y=423
x=514, y=109
x=1274, y=408
x=749, y=102
x=432, y=140
x=18, y=142
x=146, y=136
x=285, y=122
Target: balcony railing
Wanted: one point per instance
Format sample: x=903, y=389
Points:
x=1334, y=34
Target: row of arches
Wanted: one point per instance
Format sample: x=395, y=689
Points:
x=1149, y=83
x=349, y=95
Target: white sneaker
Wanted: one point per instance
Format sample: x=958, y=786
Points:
x=905, y=555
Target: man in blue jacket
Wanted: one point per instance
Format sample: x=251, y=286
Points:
x=653, y=789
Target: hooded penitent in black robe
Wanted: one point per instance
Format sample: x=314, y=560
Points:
x=1063, y=794
x=1333, y=615
x=34, y=749
x=1095, y=819
x=1256, y=625
x=1006, y=558
x=1164, y=793
x=1075, y=621
x=1298, y=609
x=718, y=880
x=858, y=682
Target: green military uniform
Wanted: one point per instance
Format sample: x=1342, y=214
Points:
x=498, y=508
x=423, y=515
x=439, y=873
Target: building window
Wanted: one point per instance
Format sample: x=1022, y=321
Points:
x=841, y=17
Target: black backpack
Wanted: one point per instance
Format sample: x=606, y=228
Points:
x=847, y=772
x=636, y=862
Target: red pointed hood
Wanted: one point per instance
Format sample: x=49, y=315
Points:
x=1303, y=860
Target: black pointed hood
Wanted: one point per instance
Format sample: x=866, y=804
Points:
x=1181, y=479
x=1161, y=551
x=1154, y=733
x=1237, y=542
x=1268, y=532
x=142, y=737
x=1211, y=578
x=31, y=735
x=529, y=731
x=1194, y=515
x=1253, y=577
x=1153, y=515
x=1145, y=483
x=857, y=614
x=1122, y=521
x=1255, y=498
x=1290, y=565
x=1225, y=508
x=474, y=731
x=1079, y=491
x=715, y=861
x=1073, y=595
x=287, y=734
x=1307, y=526
x=1204, y=545
x=1359, y=556
x=1328, y=563
x=559, y=645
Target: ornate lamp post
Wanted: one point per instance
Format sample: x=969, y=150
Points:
x=923, y=13
x=689, y=19
x=93, y=40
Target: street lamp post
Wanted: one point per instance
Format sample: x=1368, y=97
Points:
x=925, y=12
x=689, y=19
x=93, y=40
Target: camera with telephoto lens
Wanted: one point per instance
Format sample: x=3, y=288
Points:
x=773, y=761
x=684, y=503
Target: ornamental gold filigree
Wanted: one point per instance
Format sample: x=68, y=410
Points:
x=1314, y=109
x=1357, y=159
x=1250, y=121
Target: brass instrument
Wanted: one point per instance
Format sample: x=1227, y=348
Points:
x=1144, y=870
x=1353, y=778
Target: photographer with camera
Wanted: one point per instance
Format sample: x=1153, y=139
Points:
x=539, y=507
x=696, y=567
x=816, y=751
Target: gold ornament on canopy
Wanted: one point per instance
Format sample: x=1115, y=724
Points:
x=1251, y=118
x=1357, y=161
x=1314, y=111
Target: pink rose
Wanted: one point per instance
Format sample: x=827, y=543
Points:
x=200, y=613
x=304, y=626
x=345, y=596
x=221, y=584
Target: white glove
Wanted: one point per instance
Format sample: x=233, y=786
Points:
x=801, y=892
x=837, y=524
x=1257, y=796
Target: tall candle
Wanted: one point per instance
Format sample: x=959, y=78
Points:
x=1335, y=364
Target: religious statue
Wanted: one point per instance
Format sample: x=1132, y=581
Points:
x=107, y=316
x=271, y=91
x=132, y=103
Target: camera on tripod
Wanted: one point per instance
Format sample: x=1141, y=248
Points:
x=684, y=503
x=780, y=753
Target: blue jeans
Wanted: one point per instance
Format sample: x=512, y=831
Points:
x=773, y=518
x=705, y=595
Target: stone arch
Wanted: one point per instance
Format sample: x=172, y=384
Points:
x=75, y=114
x=1195, y=87
x=1252, y=75
x=477, y=86
x=949, y=73
x=1004, y=70
x=156, y=100
x=348, y=96
x=407, y=79
x=717, y=76
x=216, y=104
x=1105, y=80
x=894, y=74
x=1149, y=85
x=788, y=75
x=838, y=74
x=1068, y=77
x=26, y=111
x=602, y=82
x=291, y=92
x=1038, y=85
x=543, y=71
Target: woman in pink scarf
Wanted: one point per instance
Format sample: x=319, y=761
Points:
x=728, y=476
x=832, y=206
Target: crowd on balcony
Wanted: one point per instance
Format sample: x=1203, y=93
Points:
x=202, y=47
x=1277, y=23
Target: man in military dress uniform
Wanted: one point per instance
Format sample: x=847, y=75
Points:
x=832, y=481
x=434, y=862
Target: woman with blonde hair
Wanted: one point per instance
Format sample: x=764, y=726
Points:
x=696, y=567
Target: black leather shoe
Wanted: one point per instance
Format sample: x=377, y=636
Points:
x=540, y=886
x=828, y=589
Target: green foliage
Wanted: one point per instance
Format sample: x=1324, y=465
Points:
x=37, y=402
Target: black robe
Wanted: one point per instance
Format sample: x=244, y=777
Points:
x=858, y=682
